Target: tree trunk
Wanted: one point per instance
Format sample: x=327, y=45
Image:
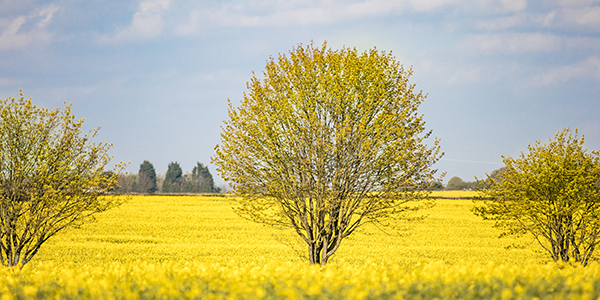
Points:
x=319, y=252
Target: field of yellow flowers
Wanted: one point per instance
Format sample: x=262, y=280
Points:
x=194, y=247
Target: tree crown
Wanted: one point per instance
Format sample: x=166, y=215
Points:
x=552, y=192
x=325, y=141
x=51, y=176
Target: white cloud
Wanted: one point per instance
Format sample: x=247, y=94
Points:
x=518, y=43
x=464, y=75
x=192, y=25
x=47, y=12
x=429, y=5
x=494, y=15
x=304, y=13
x=513, y=5
x=577, y=3
x=10, y=7
x=517, y=20
x=586, y=69
x=545, y=20
x=451, y=73
x=15, y=36
x=588, y=17
x=147, y=22
x=501, y=23
x=551, y=14
x=510, y=43
x=9, y=81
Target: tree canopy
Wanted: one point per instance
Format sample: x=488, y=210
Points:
x=147, y=178
x=147, y=181
x=456, y=183
x=199, y=181
x=327, y=141
x=173, y=179
x=51, y=177
x=552, y=192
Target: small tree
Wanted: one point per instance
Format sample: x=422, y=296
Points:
x=51, y=177
x=329, y=140
x=174, y=180
x=552, y=192
x=146, y=178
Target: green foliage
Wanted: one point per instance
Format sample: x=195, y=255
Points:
x=51, y=177
x=174, y=179
x=327, y=141
x=200, y=181
x=456, y=183
x=552, y=192
x=146, y=178
x=126, y=183
x=146, y=181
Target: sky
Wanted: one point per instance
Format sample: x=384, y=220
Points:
x=156, y=74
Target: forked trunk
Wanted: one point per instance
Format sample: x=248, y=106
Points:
x=320, y=251
x=317, y=255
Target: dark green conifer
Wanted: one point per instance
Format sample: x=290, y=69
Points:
x=146, y=178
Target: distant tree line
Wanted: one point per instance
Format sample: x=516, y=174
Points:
x=146, y=181
x=456, y=183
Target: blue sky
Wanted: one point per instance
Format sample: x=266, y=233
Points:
x=156, y=74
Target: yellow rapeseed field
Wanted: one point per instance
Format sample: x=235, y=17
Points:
x=194, y=247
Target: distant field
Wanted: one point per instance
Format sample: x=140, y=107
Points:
x=196, y=228
x=454, y=194
x=194, y=246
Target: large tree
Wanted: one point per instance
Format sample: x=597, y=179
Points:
x=327, y=141
x=51, y=177
x=552, y=192
x=146, y=178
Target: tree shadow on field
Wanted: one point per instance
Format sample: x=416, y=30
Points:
x=289, y=238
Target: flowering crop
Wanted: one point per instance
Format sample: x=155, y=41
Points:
x=205, y=229
x=160, y=247
x=454, y=194
x=193, y=280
